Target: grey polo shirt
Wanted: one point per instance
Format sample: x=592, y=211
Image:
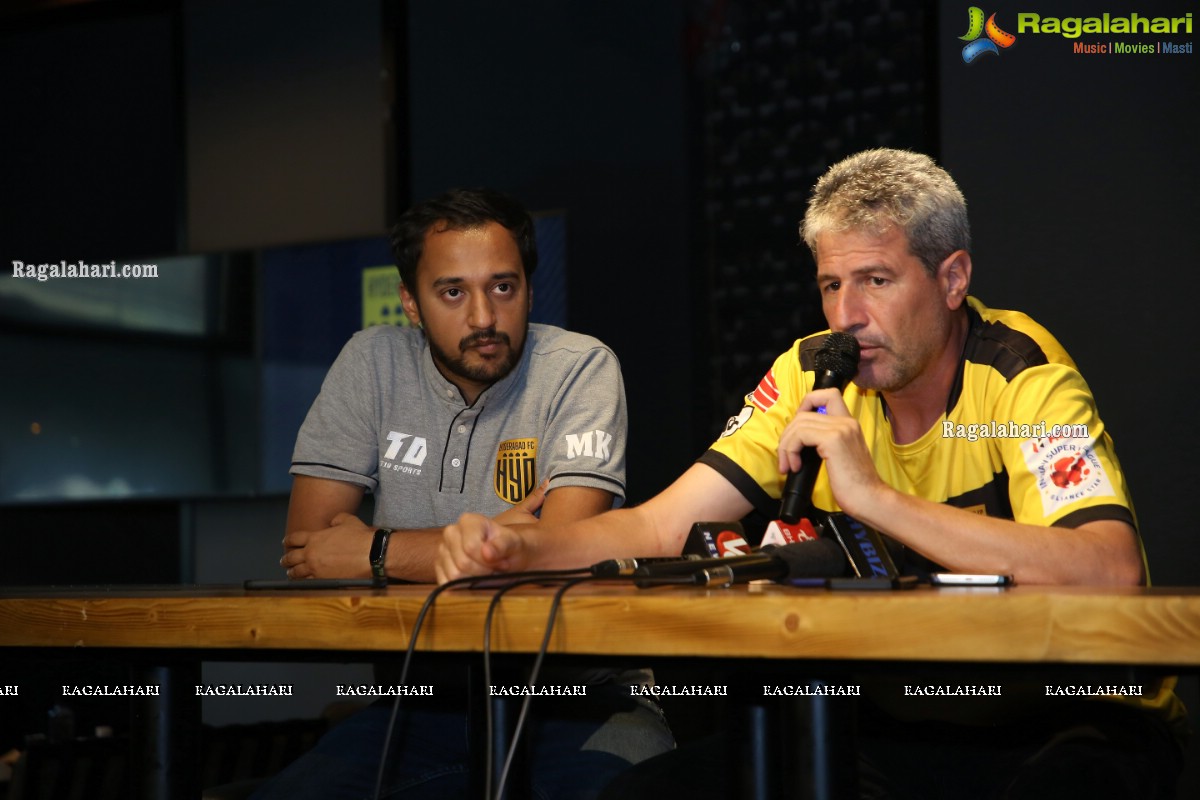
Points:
x=387, y=420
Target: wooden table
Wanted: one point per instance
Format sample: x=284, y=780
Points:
x=1021, y=625
x=1018, y=625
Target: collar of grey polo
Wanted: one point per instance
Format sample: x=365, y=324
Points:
x=379, y=546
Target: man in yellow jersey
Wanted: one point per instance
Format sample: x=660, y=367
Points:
x=968, y=436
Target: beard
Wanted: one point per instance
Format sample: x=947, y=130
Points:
x=485, y=370
x=897, y=373
x=902, y=365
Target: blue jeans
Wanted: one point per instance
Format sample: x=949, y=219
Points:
x=577, y=745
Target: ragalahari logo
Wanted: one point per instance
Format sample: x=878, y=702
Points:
x=976, y=27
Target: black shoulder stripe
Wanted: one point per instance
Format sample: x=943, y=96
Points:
x=728, y=469
x=993, y=343
x=1007, y=350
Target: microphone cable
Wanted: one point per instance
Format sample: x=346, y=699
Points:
x=555, y=604
x=533, y=674
x=426, y=607
x=489, y=727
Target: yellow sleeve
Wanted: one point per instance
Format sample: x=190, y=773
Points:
x=747, y=451
x=1067, y=472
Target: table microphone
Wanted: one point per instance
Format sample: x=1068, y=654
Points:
x=818, y=558
x=813, y=558
x=836, y=363
x=619, y=567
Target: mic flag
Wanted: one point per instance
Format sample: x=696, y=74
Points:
x=716, y=540
x=780, y=532
x=836, y=363
x=864, y=546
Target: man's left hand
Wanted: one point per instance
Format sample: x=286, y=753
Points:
x=343, y=550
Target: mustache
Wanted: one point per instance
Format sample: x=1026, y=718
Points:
x=484, y=337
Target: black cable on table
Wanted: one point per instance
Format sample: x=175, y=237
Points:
x=555, y=603
x=416, y=632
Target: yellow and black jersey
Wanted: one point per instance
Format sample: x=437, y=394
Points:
x=1020, y=437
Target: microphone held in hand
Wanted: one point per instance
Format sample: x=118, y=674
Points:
x=836, y=363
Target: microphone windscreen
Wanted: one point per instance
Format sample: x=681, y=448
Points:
x=816, y=558
x=839, y=355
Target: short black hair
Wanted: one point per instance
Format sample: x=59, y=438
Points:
x=461, y=210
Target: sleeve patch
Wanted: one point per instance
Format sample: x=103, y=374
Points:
x=765, y=394
x=1066, y=472
x=734, y=423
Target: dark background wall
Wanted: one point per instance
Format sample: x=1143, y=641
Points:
x=580, y=107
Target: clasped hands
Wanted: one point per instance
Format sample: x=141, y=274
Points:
x=342, y=550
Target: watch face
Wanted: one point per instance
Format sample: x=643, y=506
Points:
x=379, y=547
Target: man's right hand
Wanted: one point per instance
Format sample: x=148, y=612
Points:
x=475, y=546
x=525, y=512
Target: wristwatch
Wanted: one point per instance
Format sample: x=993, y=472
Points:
x=378, y=556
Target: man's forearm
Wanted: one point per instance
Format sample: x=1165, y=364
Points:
x=1096, y=553
x=621, y=533
x=412, y=552
x=658, y=527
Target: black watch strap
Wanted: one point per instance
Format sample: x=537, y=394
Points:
x=379, y=546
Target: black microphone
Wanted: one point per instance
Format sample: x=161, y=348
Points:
x=836, y=363
x=619, y=567
x=707, y=571
x=742, y=569
x=679, y=566
x=817, y=558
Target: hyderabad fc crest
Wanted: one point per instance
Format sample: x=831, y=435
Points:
x=516, y=469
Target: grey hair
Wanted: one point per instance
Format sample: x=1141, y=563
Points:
x=876, y=190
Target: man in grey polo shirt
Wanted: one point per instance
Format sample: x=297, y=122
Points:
x=469, y=411
x=476, y=410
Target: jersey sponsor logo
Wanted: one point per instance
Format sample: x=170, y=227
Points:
x=741, y=419
x=516, y=469
x=765, y=394
x=1065, y=471
x=594, y=444
x=414, y=450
